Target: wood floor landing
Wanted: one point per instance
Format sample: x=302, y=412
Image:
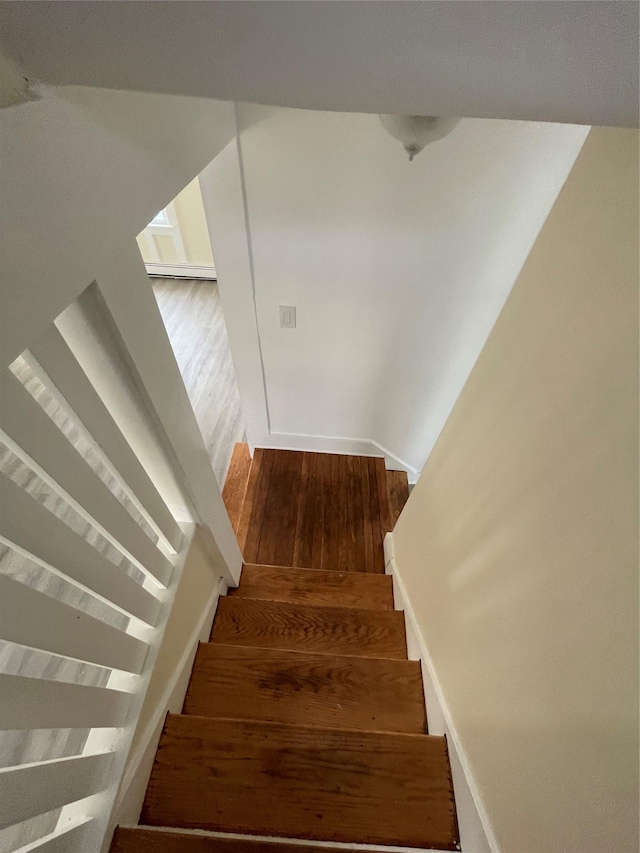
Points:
x=315, y=511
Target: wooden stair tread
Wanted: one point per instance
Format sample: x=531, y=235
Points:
x=398, y=487
x=143, y=840
x=313, y=586
x=336, y=630
x=310, y=783
x=308, y=689
x=235, y=484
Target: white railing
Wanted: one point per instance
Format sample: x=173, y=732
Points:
x=104, y=474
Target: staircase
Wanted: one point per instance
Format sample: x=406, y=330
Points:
x=303, y=718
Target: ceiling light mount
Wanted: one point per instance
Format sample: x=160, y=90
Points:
x=415, y=132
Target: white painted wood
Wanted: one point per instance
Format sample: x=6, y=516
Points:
x=58, y=362
x=412, y=59
x=30, y=618
x=83, y=172
x=476, y=832
x=33, y=789
x=165, y=224
x=338, y=444
x=128, y=294
x=101, y=838
x=96, y=343
x=175, y=233
x=40, y=443
x=136, y=779
x=35, y=703
x=230, y=235
x=151, y=244
x=181, y=271
x=27, y=525
x=62, y=840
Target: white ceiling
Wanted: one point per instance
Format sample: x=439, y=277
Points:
x=552, y=61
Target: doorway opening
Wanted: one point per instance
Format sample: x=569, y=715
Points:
x=176, y=249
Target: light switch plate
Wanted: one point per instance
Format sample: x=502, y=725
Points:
x=287, y=316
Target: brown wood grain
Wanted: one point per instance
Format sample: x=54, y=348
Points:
x=336, y=630
x=245, y=521
x=359, y=513
x=374, y=513
x=308, y=689
x=315, y=510
x=342, y=532
x=140, y=839
x=303, y=544
x=383, y=496
x=259, y=504
x=367, y=535
x=277, y=539
x=318, y=509
x=235, y=485
x=398, y=488
x=309, y=783
x=314, y=586
x=331, y=512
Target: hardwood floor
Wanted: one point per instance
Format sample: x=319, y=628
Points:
x=398, y=486
x=315, y=510
x=299, y=742
x=235, y=485
x=303, y=718
x=192, y=313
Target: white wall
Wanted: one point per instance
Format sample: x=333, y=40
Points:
x=518, y=547
x=398, y=270
x=83, y=171
x=192, y=225
x=567, y=61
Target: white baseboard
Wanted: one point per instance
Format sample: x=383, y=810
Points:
x=336, y=444
x=181, y=270
x=136, y=778
x=476, y=834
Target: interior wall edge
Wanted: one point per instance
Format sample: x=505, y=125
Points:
x=474, y=823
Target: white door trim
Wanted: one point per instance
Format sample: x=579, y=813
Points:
x=181, y=270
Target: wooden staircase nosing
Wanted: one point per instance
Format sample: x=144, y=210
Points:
x=308, y=689
x=140, y=839
x=316, y=587
x=336, y=630
x=302, y=782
